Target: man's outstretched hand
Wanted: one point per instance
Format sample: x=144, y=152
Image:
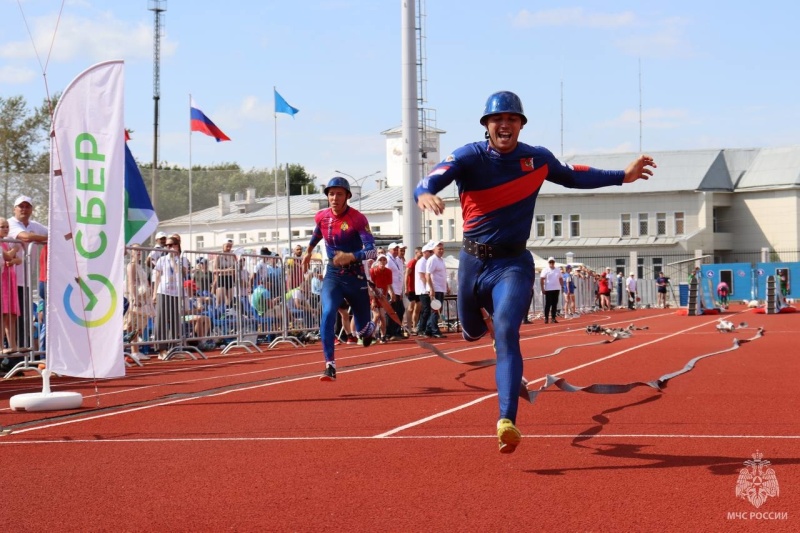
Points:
x=640, y=168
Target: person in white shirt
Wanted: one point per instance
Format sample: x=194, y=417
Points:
x=22, y=228
x=632, y=291
x=436, y=276
x=398, y=268
x=421, y=288
x=171, y=270
x=160, y=249
x=552, y=284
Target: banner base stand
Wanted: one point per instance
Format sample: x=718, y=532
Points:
x=46, y=400
x=40, y=401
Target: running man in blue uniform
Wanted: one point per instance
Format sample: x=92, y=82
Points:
x=498, y=181
x=348, y=241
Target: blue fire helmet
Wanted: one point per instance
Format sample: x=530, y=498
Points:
x=503, y=102
x=338, y=181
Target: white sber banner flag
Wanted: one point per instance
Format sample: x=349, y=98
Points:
x=86, y=240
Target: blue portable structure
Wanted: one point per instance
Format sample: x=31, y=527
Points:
x=785, y=274
x=738, y=276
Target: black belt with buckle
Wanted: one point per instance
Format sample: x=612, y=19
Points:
x=493, y=251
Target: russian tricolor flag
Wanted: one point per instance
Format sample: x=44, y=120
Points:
x=200, y=122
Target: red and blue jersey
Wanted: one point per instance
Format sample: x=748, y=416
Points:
x=498, y=191
x=348, y=232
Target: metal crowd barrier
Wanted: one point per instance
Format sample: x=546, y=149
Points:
x=206, y=300
x=19, y=280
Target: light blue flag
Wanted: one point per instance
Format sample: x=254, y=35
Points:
x=140, y=217
x=282, y=106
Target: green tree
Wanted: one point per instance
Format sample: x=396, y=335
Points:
x=24, y=152
x=209, y=181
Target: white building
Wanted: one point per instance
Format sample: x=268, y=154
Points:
x=715, y=201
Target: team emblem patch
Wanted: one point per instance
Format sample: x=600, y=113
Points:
x=526, y=164
x=345, y=226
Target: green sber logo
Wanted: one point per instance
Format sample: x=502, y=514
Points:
x=91, y=301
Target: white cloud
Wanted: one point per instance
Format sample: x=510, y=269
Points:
x=644, y=36
x=13, y=75
x=253, y=109
x=573, y=16
x=99, y=38
x=667, y=39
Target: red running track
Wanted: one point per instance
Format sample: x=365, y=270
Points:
x=403, y=441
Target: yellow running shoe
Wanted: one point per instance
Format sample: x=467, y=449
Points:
x=508, y=435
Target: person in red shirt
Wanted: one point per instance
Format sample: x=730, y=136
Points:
x=382, y=279
x=604, y=289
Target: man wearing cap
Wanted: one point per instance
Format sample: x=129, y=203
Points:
x=436, y=276
x=395, y=264
x=422, y=289
x=552, y=284
x=382, y=281
x=498, y=181
x=631, y=286
x=402, y=253
x=21, y=227
x=160, y=249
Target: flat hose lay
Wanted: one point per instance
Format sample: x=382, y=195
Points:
x=596, y=388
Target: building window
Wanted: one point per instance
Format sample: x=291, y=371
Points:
x=262, y=236
x=625, y=225
x=199, y=242
x=376, y=230
x=451, y=229
x=428, y=230
x=679, y=223
x=274, y=235
x=661, y=224
x=439, y=229
x=243, y=238
x=295, y=233
x=540, y=224
x=309, y=232
x=658, y=266
x=557, y=219
x=574, y=225
x=644, y=224
x=640, y=267
x=620, y=266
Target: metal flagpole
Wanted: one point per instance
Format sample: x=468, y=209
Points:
x=190, y=172
x=288, y=209
x=275, y=176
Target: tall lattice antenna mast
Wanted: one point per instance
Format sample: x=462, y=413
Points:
x=427, y=116
x=157, y=7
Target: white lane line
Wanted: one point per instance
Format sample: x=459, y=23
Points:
x=67, y=385
x=192, y=396
x=398, y=437
x=342, y=371
x=539, y=380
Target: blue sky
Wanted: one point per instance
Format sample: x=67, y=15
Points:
x=713, y=74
